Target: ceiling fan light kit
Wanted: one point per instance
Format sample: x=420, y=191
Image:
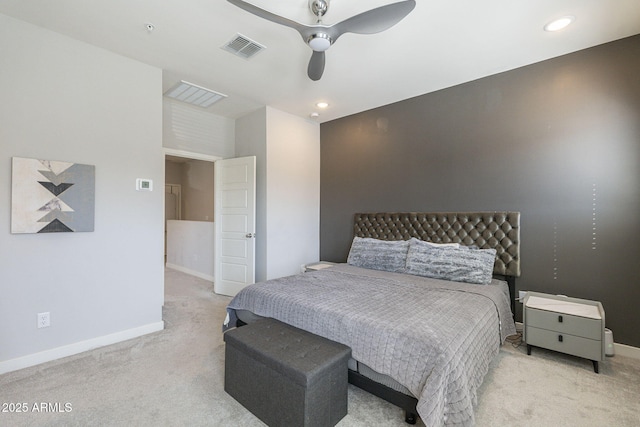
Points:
x=319, y=42
x=320, y=37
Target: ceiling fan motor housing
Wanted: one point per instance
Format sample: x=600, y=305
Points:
x=319, y=7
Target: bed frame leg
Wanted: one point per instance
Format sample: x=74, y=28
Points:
x=410, y=417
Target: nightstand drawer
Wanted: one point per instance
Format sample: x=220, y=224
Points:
x=565, y=343
x=565, y=323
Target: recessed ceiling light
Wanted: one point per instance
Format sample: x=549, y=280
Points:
x=559, y=24
x=322, y=105
x=314, y=115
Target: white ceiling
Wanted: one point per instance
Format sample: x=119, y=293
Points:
x=440, y=44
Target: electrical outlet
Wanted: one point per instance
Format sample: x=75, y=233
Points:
x=44, y=320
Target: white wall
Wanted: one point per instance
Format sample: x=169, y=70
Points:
x=66, y=100
x=288, y=189
x=190, y=246
x=293, y=193
x=194, y=129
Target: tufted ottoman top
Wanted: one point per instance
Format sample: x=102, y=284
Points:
x=299, y=355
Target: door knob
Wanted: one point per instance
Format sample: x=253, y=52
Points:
x=250, y=235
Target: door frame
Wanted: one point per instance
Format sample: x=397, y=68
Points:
x=189, y=155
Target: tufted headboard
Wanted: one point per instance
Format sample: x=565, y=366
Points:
x=498, y=230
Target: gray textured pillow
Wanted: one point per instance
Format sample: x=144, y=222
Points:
x=387, y=255
x=456, y=264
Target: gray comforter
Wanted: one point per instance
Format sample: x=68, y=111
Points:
x=435, y=337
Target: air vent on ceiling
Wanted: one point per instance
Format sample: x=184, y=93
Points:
x=243, y=46
x=194, y=94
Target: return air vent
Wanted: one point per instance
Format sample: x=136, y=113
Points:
x=243, y=46
x=194, y=94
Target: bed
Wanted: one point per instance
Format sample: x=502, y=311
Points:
x=424, y=301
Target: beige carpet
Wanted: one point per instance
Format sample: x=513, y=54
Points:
x=175, y=378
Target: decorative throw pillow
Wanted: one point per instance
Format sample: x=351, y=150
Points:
x=386, y=255
x=456, y=264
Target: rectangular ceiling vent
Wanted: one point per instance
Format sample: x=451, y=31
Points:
x=194, y=94
x=243, y=46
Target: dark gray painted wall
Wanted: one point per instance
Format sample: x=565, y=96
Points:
x=558, y=141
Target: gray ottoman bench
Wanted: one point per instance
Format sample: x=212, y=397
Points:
x=286, y=376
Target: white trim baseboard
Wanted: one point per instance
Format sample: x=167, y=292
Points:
x=618, y=349
x=79, y=347
x=626, y=350
x=189, y=271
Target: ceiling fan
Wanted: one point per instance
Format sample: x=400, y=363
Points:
x=320, y=37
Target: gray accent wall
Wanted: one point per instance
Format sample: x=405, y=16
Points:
x=558, y=141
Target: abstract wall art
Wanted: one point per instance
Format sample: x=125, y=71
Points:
x=50, y=196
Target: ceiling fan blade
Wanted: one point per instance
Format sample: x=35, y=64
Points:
x=268, y=15
x=316, y=66
x=375, y=20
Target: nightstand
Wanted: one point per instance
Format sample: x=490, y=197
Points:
x=568, y=325
x=317, y=266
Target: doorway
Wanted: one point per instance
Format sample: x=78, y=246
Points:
x=189, y=212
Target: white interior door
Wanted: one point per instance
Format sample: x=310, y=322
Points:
x=235, y=218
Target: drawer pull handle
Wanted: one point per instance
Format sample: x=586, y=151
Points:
x=560, y=319
x=560, y=338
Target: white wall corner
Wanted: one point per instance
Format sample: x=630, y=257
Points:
x=293, y=193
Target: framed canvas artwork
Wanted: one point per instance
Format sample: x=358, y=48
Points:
x=51, y=197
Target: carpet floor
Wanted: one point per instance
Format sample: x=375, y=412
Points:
x=175, y=378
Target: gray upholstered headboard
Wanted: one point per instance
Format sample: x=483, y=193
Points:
x=498, y=230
